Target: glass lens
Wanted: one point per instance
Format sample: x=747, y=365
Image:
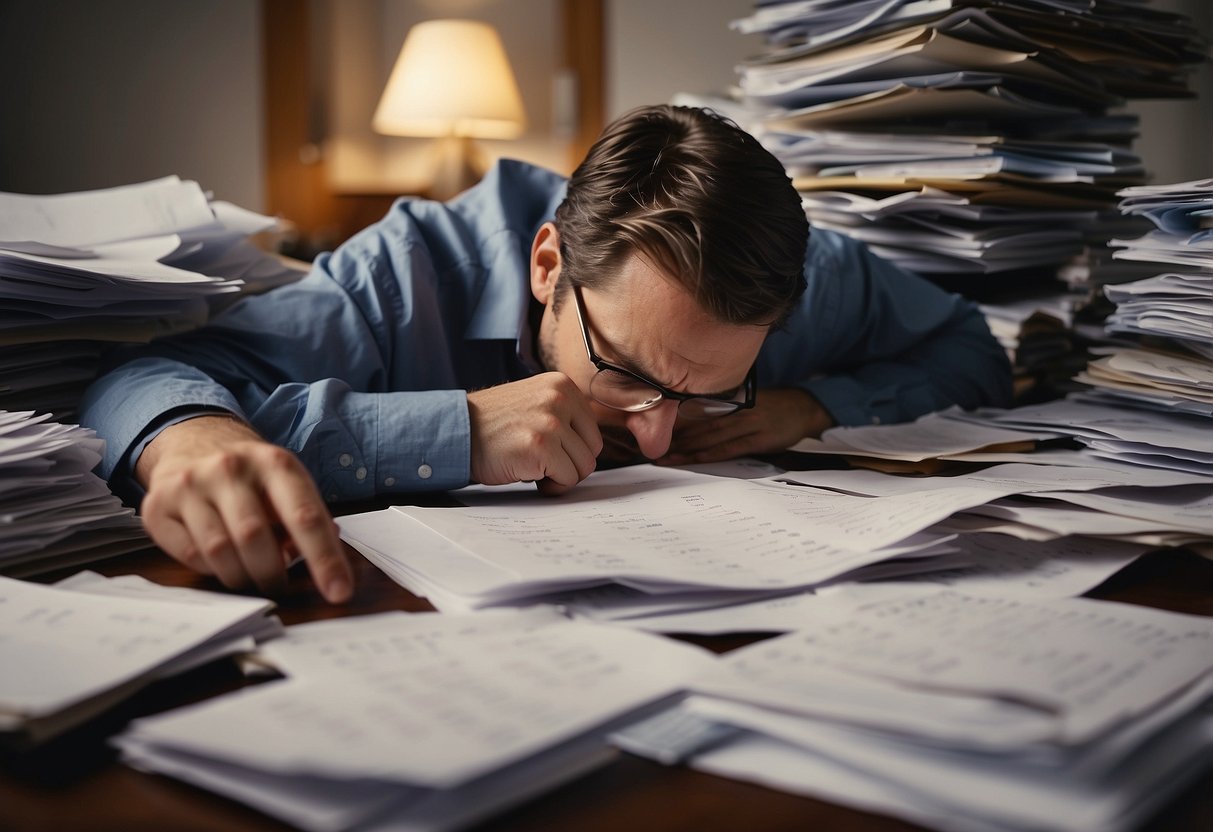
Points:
x=706, y=408
x=623, y=392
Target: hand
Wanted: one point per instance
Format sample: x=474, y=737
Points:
x=539, y=429
x=780, y=417
x=217, y=493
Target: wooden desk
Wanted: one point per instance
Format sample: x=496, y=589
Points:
x=75, y=783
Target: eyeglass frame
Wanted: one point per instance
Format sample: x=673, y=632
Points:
x=750, y=384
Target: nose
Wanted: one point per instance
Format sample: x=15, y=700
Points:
x=654, y=428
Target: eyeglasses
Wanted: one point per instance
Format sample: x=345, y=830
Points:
x=621, y=389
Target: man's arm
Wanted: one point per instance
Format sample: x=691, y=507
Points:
x=352, y=371
x=885, y=345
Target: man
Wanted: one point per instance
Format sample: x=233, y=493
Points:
x=665, y=287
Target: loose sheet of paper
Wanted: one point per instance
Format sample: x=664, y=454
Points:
x=1094, y=663
x=73, y=645
x=440, y=712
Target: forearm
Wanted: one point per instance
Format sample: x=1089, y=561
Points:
x=961, y=365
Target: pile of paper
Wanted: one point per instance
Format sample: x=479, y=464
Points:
x=639, y=540
x=960, y=138
x=421, y=722
x=1138, y=476
x=73, y=650
x=960, y=712
x=1170, y=313
x=121, y=264
x=969, y=142
x=54, y=512
x=1112, y=432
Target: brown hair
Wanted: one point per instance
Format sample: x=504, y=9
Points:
x=700, y=198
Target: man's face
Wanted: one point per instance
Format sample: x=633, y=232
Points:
x=648, y=324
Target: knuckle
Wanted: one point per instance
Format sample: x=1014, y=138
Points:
x=177, y=480
x=215, y=547
x=190, y=556
x=310, y=517
x=548, y=424
x=228, y=464
x=248, y=530
x=278, y=459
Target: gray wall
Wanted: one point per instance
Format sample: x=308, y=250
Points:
x=1176, y=140
x=105, y=92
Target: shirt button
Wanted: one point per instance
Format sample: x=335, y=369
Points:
x=360, y=474
x=345, y=460
x=876, y=420
x=389, y=482
x=425, y=471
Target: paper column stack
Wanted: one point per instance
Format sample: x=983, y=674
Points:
x=972, y=145
x=124, y=264
x=1170, y=313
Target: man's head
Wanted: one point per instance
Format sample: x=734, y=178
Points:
x=698, y=198
x=686, y=241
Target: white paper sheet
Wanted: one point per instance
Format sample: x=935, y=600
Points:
x=462, y=708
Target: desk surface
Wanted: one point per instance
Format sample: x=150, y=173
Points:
x=74, y=782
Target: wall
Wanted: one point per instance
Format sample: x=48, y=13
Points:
x=1175, y=135
x=97, y=94
x=655, y=48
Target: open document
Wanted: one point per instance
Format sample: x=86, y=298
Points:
x=656, y=530
x=961, y=712
x=420, y=722
x=73, y=650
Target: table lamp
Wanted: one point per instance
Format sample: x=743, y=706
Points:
x=452, y=81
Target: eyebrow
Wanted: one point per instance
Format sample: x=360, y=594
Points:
x=625, y=363
x=631, y=366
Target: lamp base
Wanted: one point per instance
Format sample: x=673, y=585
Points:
x=456, y=167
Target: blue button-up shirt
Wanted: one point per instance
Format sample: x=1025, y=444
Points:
x=362, y=367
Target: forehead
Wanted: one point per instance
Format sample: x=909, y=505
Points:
x=650, y=324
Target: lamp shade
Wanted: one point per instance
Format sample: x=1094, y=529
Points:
x=452, y=78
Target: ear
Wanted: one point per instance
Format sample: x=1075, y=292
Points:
x=545, y=263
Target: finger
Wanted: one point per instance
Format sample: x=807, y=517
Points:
x=558, y=465
x=171, y=536
x=251, y=530
x=585, y=423
x=209, y=535
x=581, y=453
x=289, y=490
x=551, y=488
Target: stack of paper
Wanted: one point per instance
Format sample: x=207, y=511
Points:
x=960, y=712
x=970, y=142
x=54, y=512
x=988, y=564
x=879, y=102
x=1170, y=313
x=73, y=650
x=121, y=264
x=1174, y=441
x=1139, y=477
x=420, y=722
x=671, y=539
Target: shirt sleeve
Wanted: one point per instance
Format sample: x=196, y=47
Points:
x=312, y=367
x=876, y=344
